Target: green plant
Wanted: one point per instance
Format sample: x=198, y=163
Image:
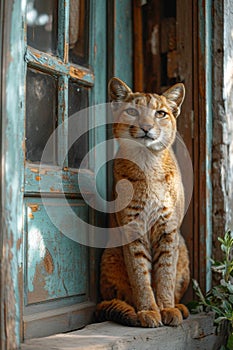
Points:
x=220, y=298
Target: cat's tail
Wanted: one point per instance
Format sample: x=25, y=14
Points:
x=117, y=311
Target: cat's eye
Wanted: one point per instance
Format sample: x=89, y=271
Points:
x=160, y=114
x=132, y=111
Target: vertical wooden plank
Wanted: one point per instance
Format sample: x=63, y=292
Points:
x=184, y=41
x=121, y=49
x=209, y=137
x=62, y=142
x=203, y=139
x=12, y=140
x=152, y=58
x=63, y=51
x=2, y=13
x=138, y=58
x=63, y=29
x=98, y=60
x=205, y=115
x=98, y=95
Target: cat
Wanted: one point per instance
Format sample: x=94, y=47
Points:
x=142, y=281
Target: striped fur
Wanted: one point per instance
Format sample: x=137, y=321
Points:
x=143, y=281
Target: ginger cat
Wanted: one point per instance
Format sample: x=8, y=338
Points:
x=143, y=281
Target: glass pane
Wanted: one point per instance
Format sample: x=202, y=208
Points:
x=78, y=100
x=42, y=19
x=41, y=114
x=78, y=32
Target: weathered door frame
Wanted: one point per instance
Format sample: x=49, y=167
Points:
x=203, y=70
x=11, y=172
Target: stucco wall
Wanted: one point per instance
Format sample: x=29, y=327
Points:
x=222, y=166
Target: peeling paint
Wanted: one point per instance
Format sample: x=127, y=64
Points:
x=52, y=189
x=48, y=262
x=55, y=65
x=30, y=215
x=19, y=243
x=34, y=207
x=81, y=74
x=34, y=170
x=51, y=254
x=12, y=172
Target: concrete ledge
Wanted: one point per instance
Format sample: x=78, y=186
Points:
x=197, y=332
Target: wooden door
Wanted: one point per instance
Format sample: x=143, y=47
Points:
x=59, y=273
x=53, y=63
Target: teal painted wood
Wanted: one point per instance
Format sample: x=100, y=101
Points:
x=55, y=65
x=123, y=43
x=205, y=39
x=209, y=137
x=63, y=29
x=12, y=171
x=56, y=267
x=98, y=60
x=55, y=180
x=120, y=54
x=63, y=120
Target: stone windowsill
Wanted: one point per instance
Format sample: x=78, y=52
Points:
x=197, y=332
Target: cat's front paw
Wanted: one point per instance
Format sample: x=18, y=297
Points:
x=149, y=318
x=171, y=316
x=183, y=309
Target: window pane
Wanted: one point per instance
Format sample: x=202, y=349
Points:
x=78, y=100
x=41, y=114
x=78, y=32
x=42, y=19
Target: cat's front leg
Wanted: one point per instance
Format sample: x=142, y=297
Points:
x=164, y=278
x=138, y=265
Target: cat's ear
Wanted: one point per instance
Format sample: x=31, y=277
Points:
x=175, y=94
x=118, y=90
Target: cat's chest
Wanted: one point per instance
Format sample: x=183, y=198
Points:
x=154, y=179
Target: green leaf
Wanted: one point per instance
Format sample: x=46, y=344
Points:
x=230, y=287
x=230, y=342
x=219, y=319
x=221, y=240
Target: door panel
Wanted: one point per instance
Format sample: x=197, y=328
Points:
x=56, y=267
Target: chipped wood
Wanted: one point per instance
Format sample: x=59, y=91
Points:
x=12, y=139
x=53, y=65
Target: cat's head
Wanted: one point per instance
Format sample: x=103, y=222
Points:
x=147, y=118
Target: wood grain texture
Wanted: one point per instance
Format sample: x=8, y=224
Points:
x=13, y=78
x=197, y=332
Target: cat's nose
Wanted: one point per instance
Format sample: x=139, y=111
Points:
x=146, y=127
